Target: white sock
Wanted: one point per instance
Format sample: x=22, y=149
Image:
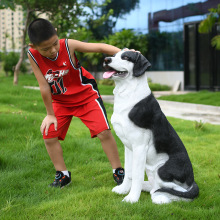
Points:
x=113, y=170
x=65, y=173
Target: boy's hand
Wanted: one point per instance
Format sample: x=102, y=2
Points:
x=126, y=49
x=48, y=120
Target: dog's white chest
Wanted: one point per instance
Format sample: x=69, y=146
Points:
x=122, y=125
x=126, y=130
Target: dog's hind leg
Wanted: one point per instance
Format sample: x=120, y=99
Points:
x=160, y=198
x=125, y=187
x=146, y=186
x=163, y=198
x=138, y=168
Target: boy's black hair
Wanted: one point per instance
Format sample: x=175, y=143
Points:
x=40, y=30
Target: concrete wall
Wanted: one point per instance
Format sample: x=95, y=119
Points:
x=174, y=79
x=169, y=78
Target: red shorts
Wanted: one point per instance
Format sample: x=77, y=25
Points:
x=92, y=114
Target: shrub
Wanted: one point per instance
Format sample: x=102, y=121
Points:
x=158, y=87
x=10, y=61
x=106, y=82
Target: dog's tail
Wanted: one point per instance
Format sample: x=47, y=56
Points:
x=192, y=193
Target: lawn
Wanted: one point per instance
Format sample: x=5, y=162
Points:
x=26, y=169
x=202, y=97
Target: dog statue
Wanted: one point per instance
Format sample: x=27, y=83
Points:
x=151, y=143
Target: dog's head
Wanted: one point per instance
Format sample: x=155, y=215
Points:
x=125, y=63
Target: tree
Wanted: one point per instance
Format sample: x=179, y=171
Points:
x=64, y=14
x=122, y=39
x=10, y=60
x=104, y=18
x=207, y=25
x=129, y=39
x=6, y=4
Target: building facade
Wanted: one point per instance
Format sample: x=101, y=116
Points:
x=11, y=28
x=202, y=66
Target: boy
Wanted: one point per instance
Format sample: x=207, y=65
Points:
x=68, y=90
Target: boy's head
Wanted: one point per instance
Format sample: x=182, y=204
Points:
x=43, y=37
x=40, y=30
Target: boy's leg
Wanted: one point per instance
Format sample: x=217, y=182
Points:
x=110, y=148
x=62, y=177
x=54, y=149
x=55, y=152
x=93, y=115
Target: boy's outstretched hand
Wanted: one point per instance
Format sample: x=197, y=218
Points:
x=126, y=49
x=48, y=120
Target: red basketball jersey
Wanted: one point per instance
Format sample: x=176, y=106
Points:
x=70, y=85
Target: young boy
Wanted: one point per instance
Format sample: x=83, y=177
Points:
x=68, y=90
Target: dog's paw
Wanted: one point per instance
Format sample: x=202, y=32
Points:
x=130, y=198
x=160, y=199
x=122, y=189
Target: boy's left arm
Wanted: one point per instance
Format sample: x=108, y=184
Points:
x=80, y=46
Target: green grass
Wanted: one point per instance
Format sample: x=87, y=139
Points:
x=26, y=169
x=201, y=97
x=106, y=89
x=158, y=87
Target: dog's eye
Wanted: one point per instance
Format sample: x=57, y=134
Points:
x=125, y=58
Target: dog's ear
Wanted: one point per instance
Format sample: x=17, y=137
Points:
x=140, y=62
x=140, y=66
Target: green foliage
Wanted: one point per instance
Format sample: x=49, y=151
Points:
x=120, y=8
x=207, y=25
x=107, y=82
x=103, y=18
x=129, y=39
x=64, y=15
x=67, y=17
x=7, y=4
x=199, y=125
x=122, y=39
x=1, y=56
x=159, y=87
x=89, y=61
x=82, y=34
x=10, y=60
x=159, y=50
x=216, y=42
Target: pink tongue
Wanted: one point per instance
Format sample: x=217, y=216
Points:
x=108, y=74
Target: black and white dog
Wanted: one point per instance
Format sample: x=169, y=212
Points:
x=151, y=143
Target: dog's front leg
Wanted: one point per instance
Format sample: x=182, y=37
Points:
x=138, y=168
x=125, y=187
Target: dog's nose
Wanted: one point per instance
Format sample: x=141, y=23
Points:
x=108, y=60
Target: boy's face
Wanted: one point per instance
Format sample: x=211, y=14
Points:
x=48, y=48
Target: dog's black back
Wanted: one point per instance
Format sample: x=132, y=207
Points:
x=147, y=114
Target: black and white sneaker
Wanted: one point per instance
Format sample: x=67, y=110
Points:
x=119, y=175
x=61, y=180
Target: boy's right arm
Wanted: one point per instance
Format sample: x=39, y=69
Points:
x=46, y=96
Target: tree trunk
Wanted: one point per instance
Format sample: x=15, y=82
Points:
x=18, y=65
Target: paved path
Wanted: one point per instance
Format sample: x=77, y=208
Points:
x=187, y=111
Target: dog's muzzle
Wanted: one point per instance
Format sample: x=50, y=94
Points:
x=111, y=72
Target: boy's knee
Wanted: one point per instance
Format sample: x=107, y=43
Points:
x=104, y=135
x=50, y=141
